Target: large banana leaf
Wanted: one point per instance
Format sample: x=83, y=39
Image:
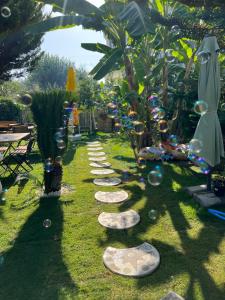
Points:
x=96, y=47
x=136, y=20
x=81, y=7
x=107, y=63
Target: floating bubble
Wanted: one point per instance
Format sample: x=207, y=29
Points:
x=200, y=107
x=48, y=166
x=141, y=162
x=66, y=104
x=159, y=169
x=203, y=165
x=195, y=146
x=47, y=223
x=26, y=99
x=173, y=140
x=61, y=144
x=158, y=113
x=2, y=259
x=5, y=12
x=203, y=57
x=58, y=159
x=139, y=127
x=112, y=110
x=192, y=157
x=133, y=115
x=155, y=178
x=223, y=107
x=175, y=29
x=169, y=56
x=153, y=101
x=117, y=126
x=152, y=214
x=163, y=126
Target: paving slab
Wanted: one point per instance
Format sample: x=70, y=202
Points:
x=207, y=199
x=102, y=172
x=107, y=181
x=123, y=220
x=101, y=158
x=134, y=262
x=100, y=164
x=172, y=296
x=195, y=189
x=96, y=153
x=111, y=197
x=95, y=149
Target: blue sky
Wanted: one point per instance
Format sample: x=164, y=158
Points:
x=66, y=43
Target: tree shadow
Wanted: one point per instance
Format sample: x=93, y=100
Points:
x=32, y=266
x=194, y=252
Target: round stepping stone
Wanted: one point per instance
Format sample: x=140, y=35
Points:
x=124, y=220
x=111, y=197
x=102, y=172
x=100, y=164
x=96, y=153
x=95, y=149
x=136, y=262
x=107, y=181
x=97, y=158
x=93, y=143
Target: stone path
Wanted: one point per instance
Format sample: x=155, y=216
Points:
x=137, y=261
x=97, y=158
x=100, y=164
x=107, y=181
x=102, y=172
x=96, y=154
x=123, y=220
x=111, y=197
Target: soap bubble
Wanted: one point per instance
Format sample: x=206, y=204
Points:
x=153, y=101
x=48, y=166
x=2, y=259
x=195, y=146
x=203, y=165
x=58, y=159
x=61, y=144
x=139, y=127
x=152, y=214
x=158, y=113
x=170, y=58
x=175, y=29
x=5, y=12
x=47, y=223
x=66, y=104
x=112, y=111
x=155, y=178
x=200, y=107
x=173, y=140
x=223, y=107
x=163, y=126
x=133, y=115
x=203, y=57
x=117, y=126
x=141, y=162
x=26, y=99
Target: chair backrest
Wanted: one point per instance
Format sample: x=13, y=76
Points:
x=30, y=145
x=20, y=129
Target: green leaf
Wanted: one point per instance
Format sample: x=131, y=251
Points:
x=159, y=6
x=107, y=63
x=136, y=21
x=141, y=88
x=96, y=47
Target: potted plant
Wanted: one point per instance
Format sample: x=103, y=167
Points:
x=219, y=185
x=49, y=114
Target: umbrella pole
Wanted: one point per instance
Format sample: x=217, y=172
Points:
x=209, y=181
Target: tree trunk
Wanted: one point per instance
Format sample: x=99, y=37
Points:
x=53, y=179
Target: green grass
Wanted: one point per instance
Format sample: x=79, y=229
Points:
x=65, y=260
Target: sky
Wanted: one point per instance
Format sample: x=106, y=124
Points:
x=66, y=43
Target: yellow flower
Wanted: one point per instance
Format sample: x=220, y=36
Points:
x=71, y=80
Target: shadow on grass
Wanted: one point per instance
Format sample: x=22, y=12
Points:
x=32, y=266
x=193, y=253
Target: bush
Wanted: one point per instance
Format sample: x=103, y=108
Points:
x=10, y=111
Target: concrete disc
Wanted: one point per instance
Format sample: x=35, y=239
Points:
x=136, y=262
x=100, y=164
x=111, y=197
x=102, y=158
x=107, y=181
x=96, y=153
x=123, y=220
x=102, y=172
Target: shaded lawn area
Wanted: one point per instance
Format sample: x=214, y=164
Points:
x=65, y=260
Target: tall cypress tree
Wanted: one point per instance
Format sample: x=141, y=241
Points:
x=18, y=51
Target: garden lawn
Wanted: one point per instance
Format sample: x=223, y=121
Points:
x=64, y=261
